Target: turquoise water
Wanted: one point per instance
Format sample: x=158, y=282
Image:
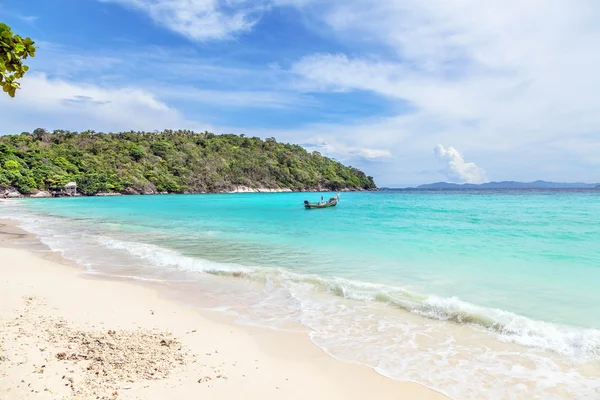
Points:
x=523, y=266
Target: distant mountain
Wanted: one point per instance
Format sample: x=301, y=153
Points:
x=511, y=185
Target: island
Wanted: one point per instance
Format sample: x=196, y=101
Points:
x=64, y=163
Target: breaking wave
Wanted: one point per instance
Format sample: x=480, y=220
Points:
x=582, y=344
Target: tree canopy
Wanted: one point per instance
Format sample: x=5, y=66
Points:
x=169, y=161
x=13, y=50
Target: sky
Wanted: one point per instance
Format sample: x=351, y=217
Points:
x=410, y=91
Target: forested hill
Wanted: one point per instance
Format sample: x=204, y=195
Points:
x=170, y=161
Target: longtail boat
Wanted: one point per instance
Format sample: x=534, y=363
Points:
x=332, y=202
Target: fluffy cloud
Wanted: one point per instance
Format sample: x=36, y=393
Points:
x=200, y=19
x=54, y=103
x=345, y=152
x=457, y=169
x=472, y=72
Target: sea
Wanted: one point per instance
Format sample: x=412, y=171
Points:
x=483, y=294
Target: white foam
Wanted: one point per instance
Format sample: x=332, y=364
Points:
x=580, y=344
x=162, y=257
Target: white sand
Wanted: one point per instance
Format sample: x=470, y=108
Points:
x=45, y=307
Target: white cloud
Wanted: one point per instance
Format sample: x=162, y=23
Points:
x=492, y=77
x=57, y=104
x=235, y=99
x=28, y=18
x=344, y=152
x=200, y=19
x=457, y=169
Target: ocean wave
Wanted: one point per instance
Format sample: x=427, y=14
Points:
x=163, y=257
x=583, y=344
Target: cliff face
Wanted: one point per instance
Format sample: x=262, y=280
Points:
x=167, y=162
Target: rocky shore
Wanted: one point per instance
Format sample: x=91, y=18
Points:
x=12, y=193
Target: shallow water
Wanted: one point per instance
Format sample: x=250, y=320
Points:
x=482, y=294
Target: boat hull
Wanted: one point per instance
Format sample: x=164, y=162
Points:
x=310, y=206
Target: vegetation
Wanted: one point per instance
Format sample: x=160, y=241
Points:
x=170, y=161
x=13, y=50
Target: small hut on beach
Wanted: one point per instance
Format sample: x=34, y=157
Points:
x=71, y=189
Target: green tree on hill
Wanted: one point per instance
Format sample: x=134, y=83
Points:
x=169, y=161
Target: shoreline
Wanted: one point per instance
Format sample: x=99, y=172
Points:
x=11, y=193
x=229, y=360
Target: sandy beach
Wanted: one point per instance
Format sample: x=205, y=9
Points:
x=66, y=335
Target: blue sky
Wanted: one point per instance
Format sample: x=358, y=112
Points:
x=508, y=89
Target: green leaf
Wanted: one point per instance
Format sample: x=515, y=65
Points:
x=13, y=50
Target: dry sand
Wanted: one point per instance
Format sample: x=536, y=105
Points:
x=64, y=336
